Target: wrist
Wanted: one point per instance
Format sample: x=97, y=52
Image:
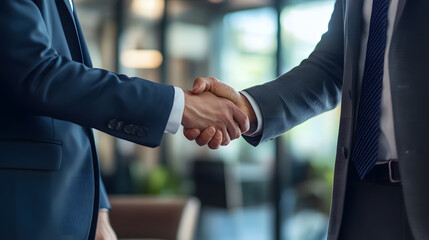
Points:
x=185, y=110
x=189, y=110
x=246, y=107
x=103, y=215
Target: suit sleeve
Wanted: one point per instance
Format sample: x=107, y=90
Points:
x=44, y=83
x=309, y=89
x=104, y=200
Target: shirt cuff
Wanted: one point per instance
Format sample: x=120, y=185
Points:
x=254, y=132
x=176, y=113
x=103, y=210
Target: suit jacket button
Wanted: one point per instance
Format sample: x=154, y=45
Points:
x=345, y=152
x=134, y=130
x=142, y=132
x=112, y=124
x=119, y=126
x=128, y=129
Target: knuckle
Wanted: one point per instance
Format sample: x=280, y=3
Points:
x=220, y=124
x=228, y=103
x=236, y=134
x=243, y=123
x=214, y=81
x=225, y=117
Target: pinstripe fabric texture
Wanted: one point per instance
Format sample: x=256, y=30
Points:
x=365, y=151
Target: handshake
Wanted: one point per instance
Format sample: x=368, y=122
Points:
x=215, y=113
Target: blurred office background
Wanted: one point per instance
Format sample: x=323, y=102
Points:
x=279, y=190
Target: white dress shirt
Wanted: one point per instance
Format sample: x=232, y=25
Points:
x=387, y=141
x=175, y=118
x=176, y=114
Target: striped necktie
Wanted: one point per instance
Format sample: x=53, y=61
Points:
x=365, y=152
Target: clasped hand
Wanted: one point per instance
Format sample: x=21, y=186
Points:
x=215, y=113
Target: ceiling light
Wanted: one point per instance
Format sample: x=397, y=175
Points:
x=151, y=9
x=143, y=59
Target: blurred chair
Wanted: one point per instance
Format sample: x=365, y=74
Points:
x=216, y=184
x=135, y=217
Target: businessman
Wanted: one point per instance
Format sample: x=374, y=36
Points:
x=374, y=59
x=51, y=97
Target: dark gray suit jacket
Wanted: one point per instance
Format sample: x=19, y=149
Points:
x=330, y=75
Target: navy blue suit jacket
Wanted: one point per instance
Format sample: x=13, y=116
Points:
x=50, y=98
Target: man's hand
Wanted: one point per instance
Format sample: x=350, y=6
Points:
x=216, y=117
x=222, y=90
x=104, y=230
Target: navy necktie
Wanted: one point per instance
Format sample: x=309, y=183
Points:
x=365, y=152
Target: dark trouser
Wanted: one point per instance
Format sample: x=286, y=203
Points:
x=374, y=210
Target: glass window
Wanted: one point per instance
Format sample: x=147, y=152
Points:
x=310, y=146
x=204, y=38
x=248, y=53
x=246, y=56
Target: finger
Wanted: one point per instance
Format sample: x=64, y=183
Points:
x=191, y=134
x=226, y=139
x=223, y=90
x=217, y=87
x=233, y=130
x=241, y=119
x=206, y=136
x=200, y=85
x=216, y=140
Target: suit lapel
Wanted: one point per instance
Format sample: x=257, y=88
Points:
x=84, y=49
x=400, y=10
x=401, y=6
x=67, y=2
x=70, y=29
x=352, y=18
x=353, y=31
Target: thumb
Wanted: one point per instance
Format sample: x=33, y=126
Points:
x=217, y=87
x=200, y=85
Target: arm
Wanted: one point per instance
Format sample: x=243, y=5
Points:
x=309, y=89
x=42, y=82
